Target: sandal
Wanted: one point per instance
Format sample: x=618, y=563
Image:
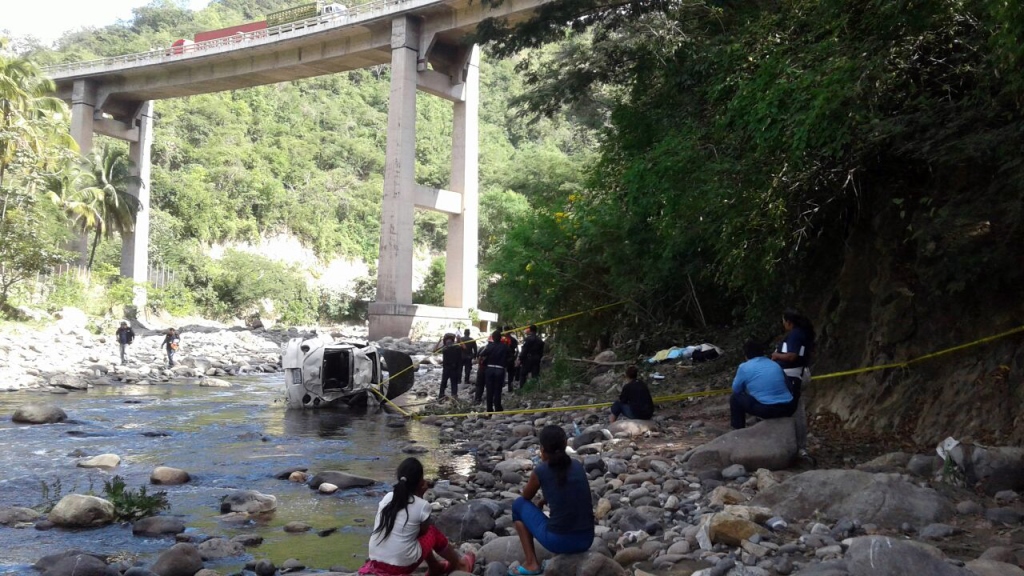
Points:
x=523, y=571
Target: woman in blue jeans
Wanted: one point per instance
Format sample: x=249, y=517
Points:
x=563, y=481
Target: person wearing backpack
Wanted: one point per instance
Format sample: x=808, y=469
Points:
x=171, y=343
x=125, y=336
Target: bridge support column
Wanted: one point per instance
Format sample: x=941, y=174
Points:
x=83, y=111
x=135, y=244
x=460, y=277
x=394, y=270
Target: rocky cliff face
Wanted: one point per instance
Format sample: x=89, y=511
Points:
x=941, y=268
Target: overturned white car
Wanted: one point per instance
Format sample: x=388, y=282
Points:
x=320, y=373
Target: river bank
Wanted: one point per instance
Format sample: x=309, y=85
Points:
x=675, y=496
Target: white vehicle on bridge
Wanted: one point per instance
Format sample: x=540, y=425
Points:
x=320, y=373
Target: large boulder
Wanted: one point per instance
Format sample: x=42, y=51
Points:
x=17, y=515
x=165, y=475
x=467, y=521
x=249, y=502
x=39, y=414
x=340, y=479
x=74, y=563
x=178, y=560
x=158, y=526
x=508, y=549
x=884, y=556
x=585, y=564
x=81, y=511
x=991, y=469
x=883, y=499
x=768, y=444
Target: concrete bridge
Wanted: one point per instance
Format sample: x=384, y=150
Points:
x=423, y=40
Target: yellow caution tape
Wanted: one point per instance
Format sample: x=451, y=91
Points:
x=907, y=363
x=724, y=391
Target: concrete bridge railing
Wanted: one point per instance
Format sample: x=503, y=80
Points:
x=354, y=15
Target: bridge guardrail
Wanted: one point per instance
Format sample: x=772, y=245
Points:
x=354, y=14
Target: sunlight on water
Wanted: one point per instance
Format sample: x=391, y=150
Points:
x=227, y=439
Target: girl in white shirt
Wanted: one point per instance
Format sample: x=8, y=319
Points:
x=403, y=535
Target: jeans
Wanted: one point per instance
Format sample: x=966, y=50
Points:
x=618, y=408
x=537, y=524
x=170, y=357
x=495, y=380
x=741, y=404
x=124, y=353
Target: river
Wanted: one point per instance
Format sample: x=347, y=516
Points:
x=226, y=438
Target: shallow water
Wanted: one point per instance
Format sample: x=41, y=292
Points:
x=226, y=438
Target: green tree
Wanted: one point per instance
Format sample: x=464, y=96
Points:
x=114, y=208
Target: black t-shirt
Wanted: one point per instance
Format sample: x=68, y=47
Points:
x=533, y=348
x=636, y=395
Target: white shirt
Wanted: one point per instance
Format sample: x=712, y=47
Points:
x=401, y=547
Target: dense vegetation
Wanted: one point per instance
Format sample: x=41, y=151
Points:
x=747, y=139
x=702, y=161
x=304, y=158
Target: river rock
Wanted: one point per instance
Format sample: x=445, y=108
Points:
x=81, y=511
x=158, y=526
x=167, y=476
x=883, y=556
x=882, y=499
x=732, y=530
x=80, y=564
x=214, y=383
x=248, y=501
x=992, y=469
x=586, y=564
x=467, y=521
x=327, y=488
x=632, y=428
x=179, y=560
x=217, y=548
x=106, y=461
x=993, y=568
x=297, y=527
x=299, y=477
x=342, y=480
x=39, y=414
x=69, y=382
x=768, y=444
x=507, y=549
x=17, y=515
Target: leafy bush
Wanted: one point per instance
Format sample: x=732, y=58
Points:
x=431, y=292
x=133, y=504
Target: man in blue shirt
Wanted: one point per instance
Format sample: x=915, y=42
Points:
x=759, y=388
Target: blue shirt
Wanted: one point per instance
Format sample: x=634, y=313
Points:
x=571, y=508
x=763, y=379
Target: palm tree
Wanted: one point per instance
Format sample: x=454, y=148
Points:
x=73, y=192
x=114, y=207
x=27, y=119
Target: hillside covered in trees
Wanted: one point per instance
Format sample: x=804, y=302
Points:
x=306, y=158
x=708, y=163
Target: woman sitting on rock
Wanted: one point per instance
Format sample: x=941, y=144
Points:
x=403, y=535
x=570, y=530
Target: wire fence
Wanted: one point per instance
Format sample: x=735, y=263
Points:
x=45, y=285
